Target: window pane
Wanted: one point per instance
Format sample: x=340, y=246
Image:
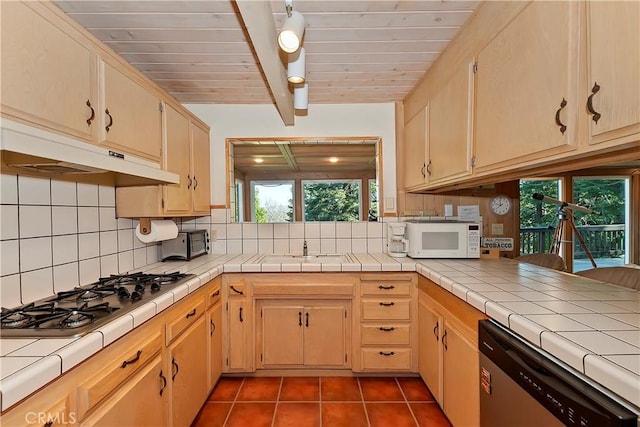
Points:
x=272, y=201
x=239, y=213
x=537, y=219
x=331, y=200
x=604, y=235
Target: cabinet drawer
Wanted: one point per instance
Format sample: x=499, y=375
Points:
x=124, y=366
x=185, y=319
x=214, y=296
x=384, y=288
x=385, y=334
x=379, y=309
x=386, y=359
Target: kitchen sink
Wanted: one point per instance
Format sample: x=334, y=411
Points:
x=312, y=259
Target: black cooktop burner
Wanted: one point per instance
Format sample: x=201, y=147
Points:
x=80, y=310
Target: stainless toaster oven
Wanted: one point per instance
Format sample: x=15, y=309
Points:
x=188, y=245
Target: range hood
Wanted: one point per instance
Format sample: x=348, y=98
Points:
x=30, y=150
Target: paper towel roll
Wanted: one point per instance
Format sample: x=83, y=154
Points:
x=161, y=229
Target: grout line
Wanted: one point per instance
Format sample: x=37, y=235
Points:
x=275, y=408
x=406, y=401
x=364, y=406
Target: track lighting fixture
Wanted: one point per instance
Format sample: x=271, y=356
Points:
x=296, y=67
x=301, y=97
x=290, y=36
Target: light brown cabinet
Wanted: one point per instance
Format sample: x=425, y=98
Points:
x=526, y=84
x=47, y=72
x=415, y=146
x=214, y=318
x=187, y=154
x=132, y=115
x=613, y=54
x=237, y=326
x=304, y=334
x=448, y=352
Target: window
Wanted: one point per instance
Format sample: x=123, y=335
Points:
x=605, y=231
x=373, y=200
x=239, y=213
x=537, y=219
x=272, y=201
x=331, y=200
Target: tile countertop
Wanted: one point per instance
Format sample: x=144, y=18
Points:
x=592, y=326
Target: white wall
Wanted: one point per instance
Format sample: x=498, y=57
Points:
x=323, y=120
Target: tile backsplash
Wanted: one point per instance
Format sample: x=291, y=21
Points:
x=55, y=235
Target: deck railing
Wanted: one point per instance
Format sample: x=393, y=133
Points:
x=602, y=240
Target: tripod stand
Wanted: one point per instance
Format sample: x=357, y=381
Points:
x=566, y=217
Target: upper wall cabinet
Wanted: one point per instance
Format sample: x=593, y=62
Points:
x=526, y=85
x=415, y=146
x=46, y=73
x=132, y=115
x=450, y=128
x=613, y=52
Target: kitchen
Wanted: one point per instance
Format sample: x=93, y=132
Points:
x=102, y=243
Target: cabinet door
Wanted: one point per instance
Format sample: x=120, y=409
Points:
x=200, y=170
x=140, y=402
x=215, y=344
x=614, y=64
x=523, y=75
x=132, y=116
x=450, y=132
x=429, y=348
x=461, y=378
x=282, y=329
x=415, y=143
x=46, y=73
x=324, y=335
x=177, y=197
x=188, y=363
x=237, y=357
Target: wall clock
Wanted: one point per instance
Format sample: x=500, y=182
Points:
x=500, y=205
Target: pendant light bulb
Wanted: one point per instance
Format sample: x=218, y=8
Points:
x=296, y=67
x=290, y=36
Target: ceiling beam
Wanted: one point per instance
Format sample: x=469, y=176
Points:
x=288, y=156
x=259, y=23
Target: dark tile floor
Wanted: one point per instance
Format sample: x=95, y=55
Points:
x=320, y=401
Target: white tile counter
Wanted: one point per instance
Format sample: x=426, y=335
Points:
x=592, y=326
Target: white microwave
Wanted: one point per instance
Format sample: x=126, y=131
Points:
x=443, y=239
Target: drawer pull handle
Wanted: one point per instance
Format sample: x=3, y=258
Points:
x=215, y=294
x=299, y=318
x=390, y=329
x=195, y=180
x=191, y=313
x=306, y=315
x=110, y=120
x=596, y=115
x=130, y=361
x=240, y=315
x=387, y=304
x=93, y=113
x=236, y=291
x=177, y=368
x=386, y=288
x=190, y=182
x=444, y=339
x=164, y=382
x=383, y=353
x=563, y=127
x=213, y=327
x=435, y=331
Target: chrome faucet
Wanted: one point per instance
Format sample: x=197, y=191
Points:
x=305, y=250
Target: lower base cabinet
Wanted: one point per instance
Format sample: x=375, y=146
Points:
x=140, y=402
x=448, y=352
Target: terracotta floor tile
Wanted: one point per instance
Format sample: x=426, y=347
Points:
x=226, y=390
x=429, y=415
x=343, y=415
x=259, y=389
x=389, y=414
x=380, y=389
x=297, y=414
x=415, y=389
x=253, y=414
x=339, y=389
x=212, y=414
x=300, y=388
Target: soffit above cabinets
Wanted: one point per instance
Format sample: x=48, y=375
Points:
x=356, y=51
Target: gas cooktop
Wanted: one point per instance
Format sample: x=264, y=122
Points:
x=81, y=310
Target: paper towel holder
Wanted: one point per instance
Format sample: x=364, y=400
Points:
x=145, y=225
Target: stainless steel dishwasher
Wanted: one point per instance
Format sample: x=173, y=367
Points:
x=522, y=386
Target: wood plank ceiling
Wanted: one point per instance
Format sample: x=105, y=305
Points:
x=357, y=51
